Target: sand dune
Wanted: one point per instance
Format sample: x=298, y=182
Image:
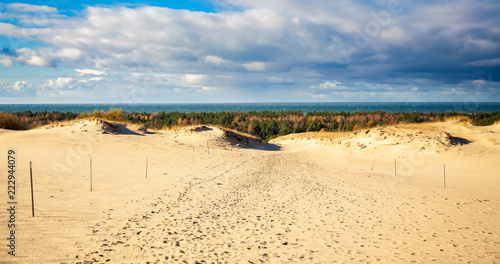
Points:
x=312, y=198
x=218, y=135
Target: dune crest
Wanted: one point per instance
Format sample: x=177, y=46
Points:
x=217, y=134
x=97, y=126
x=428, y=137
x=438, y=140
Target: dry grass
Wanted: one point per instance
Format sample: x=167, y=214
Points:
x=493, y=140
x=459, y=119
x=114, y=114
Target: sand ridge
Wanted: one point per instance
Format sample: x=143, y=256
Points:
x=216, y=134
x=427, y=136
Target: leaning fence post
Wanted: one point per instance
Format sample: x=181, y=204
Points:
x=32, y=200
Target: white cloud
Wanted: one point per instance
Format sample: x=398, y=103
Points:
x=205, y=88
x=283, y=33
x=255, y=66
x=30, y=57
x=44, y=57
x=156, y=38
x=195, y=78
x=8, y=29
x=59, y=83
x=478, y=82
x=21, y=85
x=276, y=79
x=486, y=62
x=71, y=54
x=6, y=61
x=27, y=8
x=329, y=86
x=37, y=61
x=92, y=79
x=395, y=35
x=84, y=72
x=215, y=60
x=4, y=85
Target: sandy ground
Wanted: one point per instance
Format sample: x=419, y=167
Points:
x=311, y=198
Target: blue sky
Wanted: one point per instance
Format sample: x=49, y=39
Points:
x=69, y=6
x=62, y=51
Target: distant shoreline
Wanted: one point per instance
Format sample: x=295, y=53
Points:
x=390, y=107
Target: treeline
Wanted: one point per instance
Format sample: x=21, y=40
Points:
x=265, y=124
x=27, y=120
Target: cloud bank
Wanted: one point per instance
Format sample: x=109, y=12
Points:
x=284, y=50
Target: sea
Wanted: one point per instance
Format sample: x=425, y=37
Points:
x=392, y=107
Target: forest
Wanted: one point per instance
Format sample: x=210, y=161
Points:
x=265, y=124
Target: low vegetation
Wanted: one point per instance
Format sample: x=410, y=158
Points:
x=460, y=119
x=8, y=121
x=265, y=125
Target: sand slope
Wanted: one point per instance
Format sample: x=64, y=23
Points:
x=308, y=198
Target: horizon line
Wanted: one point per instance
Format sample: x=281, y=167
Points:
x=185, y=103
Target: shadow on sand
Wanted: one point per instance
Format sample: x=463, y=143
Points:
x=458, y=140
x=122, y=130
x=263, y=147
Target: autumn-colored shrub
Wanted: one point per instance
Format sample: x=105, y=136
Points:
x=9, y=121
